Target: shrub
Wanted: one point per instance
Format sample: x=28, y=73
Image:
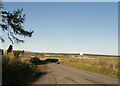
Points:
x=16, y=73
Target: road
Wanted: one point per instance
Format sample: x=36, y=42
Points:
x=61, y=74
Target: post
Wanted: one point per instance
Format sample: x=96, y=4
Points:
x=81, y=54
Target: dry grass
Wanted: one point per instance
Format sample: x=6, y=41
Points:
x=107, y=66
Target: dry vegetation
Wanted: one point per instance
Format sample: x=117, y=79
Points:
x=102, y=65
x=21, y=69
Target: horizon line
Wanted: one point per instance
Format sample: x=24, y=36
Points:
x=65, y=52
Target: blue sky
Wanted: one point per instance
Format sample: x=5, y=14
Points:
x=69, y=27
x=61, y=0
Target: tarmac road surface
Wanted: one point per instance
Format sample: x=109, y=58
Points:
x=61, y=74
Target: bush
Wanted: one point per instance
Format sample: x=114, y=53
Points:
x=16, y=73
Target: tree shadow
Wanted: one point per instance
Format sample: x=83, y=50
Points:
x=41, y=69
x=49, y=60
x=37, y=61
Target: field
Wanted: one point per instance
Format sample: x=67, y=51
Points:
x=106, y=65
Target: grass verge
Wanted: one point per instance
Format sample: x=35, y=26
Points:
x=101, y=66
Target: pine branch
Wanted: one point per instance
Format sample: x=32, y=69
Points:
x=2, y=40
x=13, y=22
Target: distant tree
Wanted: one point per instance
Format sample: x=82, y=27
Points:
x=12, y=24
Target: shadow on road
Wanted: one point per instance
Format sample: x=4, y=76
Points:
x=37, y=61
x=41, y=68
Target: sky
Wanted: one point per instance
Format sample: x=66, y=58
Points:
x=61, y=0
x=69, y=27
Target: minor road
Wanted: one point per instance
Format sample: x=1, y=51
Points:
x=61, y=74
